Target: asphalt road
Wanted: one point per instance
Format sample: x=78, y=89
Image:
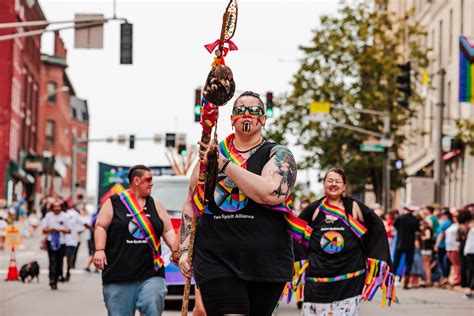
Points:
x=83, y=294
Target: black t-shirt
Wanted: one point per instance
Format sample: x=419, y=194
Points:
x=334, y=250
x=407, y=225
x=428, y=242
x=129, y=257
x=236, y=237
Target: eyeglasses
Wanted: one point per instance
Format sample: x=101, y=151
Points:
x=253, y=110
x=331, y=181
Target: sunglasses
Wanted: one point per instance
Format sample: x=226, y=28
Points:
x=253, y=110
x=147, y=179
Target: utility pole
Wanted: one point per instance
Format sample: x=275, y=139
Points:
x=386, y=160
x=438, y=159
x=74, y=168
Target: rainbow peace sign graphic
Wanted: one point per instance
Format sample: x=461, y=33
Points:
x=332, y=242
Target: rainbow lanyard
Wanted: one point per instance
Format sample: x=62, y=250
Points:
x=144, y=225
x=352, y=223
x=297, y=227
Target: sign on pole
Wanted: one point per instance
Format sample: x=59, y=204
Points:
x=89, y=34
x=319, y=111
x=371, y=148
x=13, y=237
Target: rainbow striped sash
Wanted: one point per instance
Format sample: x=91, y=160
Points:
x=335, y=211
x=144, y=225
x=297, y=227
x=337, y=278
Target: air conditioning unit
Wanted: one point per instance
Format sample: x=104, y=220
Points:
x=420, y=190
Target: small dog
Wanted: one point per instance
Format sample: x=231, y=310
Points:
x=30, y=271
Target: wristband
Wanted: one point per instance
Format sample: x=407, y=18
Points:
x=225, y=165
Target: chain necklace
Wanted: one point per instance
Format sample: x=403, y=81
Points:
x=251, y=151
x=262, y=140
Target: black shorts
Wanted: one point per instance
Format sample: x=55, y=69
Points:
x=236, y=296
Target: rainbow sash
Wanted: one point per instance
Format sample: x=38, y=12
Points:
x=144, y=225
x=335, y=211
x=297, y=228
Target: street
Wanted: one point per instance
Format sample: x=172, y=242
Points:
x=83, y=296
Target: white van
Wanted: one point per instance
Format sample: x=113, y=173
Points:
x=172, y=191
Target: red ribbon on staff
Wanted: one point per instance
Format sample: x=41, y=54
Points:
x=210, y=47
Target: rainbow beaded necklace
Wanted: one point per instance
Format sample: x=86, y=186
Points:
x=145, y=226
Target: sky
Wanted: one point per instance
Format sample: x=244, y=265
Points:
x=155, y=95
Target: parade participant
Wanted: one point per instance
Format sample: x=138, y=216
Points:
x=55, y=226
x=243, y=252
x=77, y=225
x=348, y=249
x=127, y=247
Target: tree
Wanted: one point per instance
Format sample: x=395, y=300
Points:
x=350, y=62
x=466, y=133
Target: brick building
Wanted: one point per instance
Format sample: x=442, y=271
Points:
x=62, y=116
x=19, y=98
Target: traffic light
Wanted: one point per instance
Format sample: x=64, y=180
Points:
x=269, y=110
x=197, y=105
x=170, y=140
x=126, y=43
x=182, y=150
x=131, y=142
x=404, y=84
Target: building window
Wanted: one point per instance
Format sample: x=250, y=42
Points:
x=49, y=132
x=52, y=90
x=74, y=113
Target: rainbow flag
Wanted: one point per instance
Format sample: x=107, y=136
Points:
x=466, y=69
x=144, y=224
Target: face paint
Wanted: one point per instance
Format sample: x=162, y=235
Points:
x=246, y=127
x=258, y=118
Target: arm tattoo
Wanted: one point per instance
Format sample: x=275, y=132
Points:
x=185, y=227
x=286, y=165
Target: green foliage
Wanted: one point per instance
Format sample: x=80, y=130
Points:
x=466, y=133
x=351, y=62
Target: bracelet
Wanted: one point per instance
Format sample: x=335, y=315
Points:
x=182, y=252
x=225, y=165
x=174, y=251
x=100, y=250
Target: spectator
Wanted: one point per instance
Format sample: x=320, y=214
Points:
x=452, y=249
x=440, y=246
x=407, y=226
x=469, y=253
x=464, y=219
x=427, y=245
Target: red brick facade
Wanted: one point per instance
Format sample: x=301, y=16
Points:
x=19, y=94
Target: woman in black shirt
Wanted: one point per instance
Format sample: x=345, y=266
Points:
x=347, y=246
x=427, y=246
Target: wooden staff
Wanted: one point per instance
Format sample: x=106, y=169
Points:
x=219, y=89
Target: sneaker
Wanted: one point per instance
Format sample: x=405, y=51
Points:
x=468, y=296
x=53, y=286
x=68, y=276
x=87, y=270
